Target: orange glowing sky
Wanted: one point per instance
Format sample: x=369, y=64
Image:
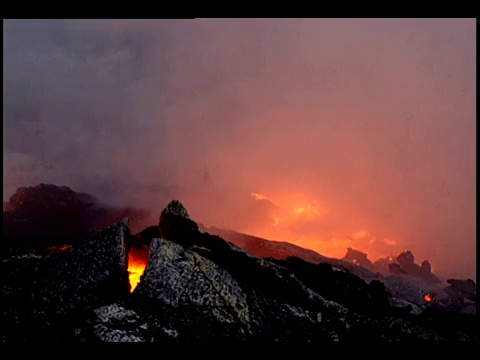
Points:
x=295, y=210
x=361, y=132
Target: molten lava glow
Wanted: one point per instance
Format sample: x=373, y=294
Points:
x=298, y=219
x=428, y=297
x=299, y=211
x=136, y=267
x=56, y=249
x=134, y=273
x=276, y=221
x=356, y=262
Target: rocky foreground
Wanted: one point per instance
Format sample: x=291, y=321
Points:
x=199, y=287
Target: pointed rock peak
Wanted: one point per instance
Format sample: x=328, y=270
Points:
x=175, y=223
x=175, y=207
x=405, y=258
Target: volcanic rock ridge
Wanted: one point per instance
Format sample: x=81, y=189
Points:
x=198, y=287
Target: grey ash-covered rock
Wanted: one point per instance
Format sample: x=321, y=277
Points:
x=114, y=323
x=178, y=276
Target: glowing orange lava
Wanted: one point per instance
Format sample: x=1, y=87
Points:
x=136, y=266
x=428, y=297
x=56, y=249
x=299, y=211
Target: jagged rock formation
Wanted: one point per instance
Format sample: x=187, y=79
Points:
x=406, y=265
x=358, y=258
x=41, y=296
x=204, y=289
x=382, y=265
x=406, y=258
x=274, y=299
x=426, y=267
x=197, y=287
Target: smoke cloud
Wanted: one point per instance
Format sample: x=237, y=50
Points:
x=357, y=132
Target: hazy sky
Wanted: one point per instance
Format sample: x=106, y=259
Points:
x=361, y=132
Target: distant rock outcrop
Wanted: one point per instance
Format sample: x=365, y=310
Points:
x=426, y=267
x=406, y=265
x=175, y=222
x=50, y=215
x=406, y=258
x=358, y=258
x=382, y=265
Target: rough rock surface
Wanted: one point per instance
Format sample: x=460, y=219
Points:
x=41, y=297
x=114, y=323
x=197, y=287
x=205, y=288
x=410, y=289
x=180, y=277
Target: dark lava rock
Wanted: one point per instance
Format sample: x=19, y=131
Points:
x=406, y=265
x=342, y=287
x=406, y=258
x=51, y=215
x=41, y=297
x=396, y=269
x=266, y=248
x=426, y=267
x=197, y=287
x=462, y=296
x=467, y=288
